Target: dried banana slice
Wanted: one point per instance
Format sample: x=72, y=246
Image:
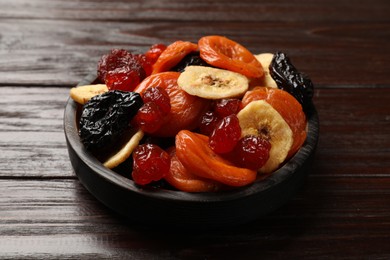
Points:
x=125, y=151
x=83, y=94
x=212, y=83
x=265, y=60
x=259, y=118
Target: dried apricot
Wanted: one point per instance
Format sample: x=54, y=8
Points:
x=182, y=179
x=287, y=106
x=194, y=153
x=186, y=110
x=172, y=55
x=224, y=53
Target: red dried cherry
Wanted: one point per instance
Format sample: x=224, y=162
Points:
x=225, y=135
x=252, y=152
x=149, y=117
x=159, y=96
x=208, y=123
x=120, y=70
x=227, y=107
x=150, y=163
x=154, y=52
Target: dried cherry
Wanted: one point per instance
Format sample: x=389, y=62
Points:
x=105, y=117
x=150, y=163
x=121, y=70
x=252, y=152
x=288, y=78
x=225, y=135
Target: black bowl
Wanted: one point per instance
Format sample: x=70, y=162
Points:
x=180, y=209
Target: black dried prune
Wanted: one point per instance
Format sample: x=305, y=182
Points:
x=288, y=78
x=105, y=117
x=192, y=58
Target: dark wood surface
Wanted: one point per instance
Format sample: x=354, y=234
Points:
x=342, y=212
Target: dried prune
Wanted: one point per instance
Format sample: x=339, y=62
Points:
x=105, y=117
x=288, y=78
x=191, y=59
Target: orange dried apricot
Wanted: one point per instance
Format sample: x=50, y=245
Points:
x=287, y=106
x=182, y=179
x=194, y=153
x=224, y=53
x=186, y=110
x=172, y=55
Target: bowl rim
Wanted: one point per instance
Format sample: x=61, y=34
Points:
x=285, y=172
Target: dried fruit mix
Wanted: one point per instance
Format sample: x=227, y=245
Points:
x=202, y=117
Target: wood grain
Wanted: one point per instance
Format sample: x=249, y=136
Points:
x=59, y=42
x=48, y=46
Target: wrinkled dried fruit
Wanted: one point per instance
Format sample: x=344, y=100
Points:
x=150, y=163
x=191, y=59
x=121, y=70
x=225, y=135
x=288, y=78
x=104, y=117
x=252, y=152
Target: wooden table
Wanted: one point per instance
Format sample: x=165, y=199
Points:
x=343, y=211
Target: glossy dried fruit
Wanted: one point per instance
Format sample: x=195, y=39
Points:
x=150, y=163
x=149, y=117
x=186, y=110
x=208, y=122
x=290, y=79
x=252, y=152
x=194, y=153
x=227, y=107
x=104, y=117
x=224, y=53
x=191, y=59
x=182, y=179
x=287, y=106
x=225, y=135
x=159, y=96
x=172, y=55
x=120, y=70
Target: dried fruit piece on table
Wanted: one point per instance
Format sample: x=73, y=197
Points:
x=212, y=83
x=194, y=153
x=191, y=59
x=225, y=135
x=120, y=70
x=155, y=51
x=151, y=115
x=149, y=118
x=182, y=179
x=287, y=106
x=224, y=53
x=265, y=59
x=125, y=151
x=186, y=110
x=208, y=122
x=150, y=163
x=252, y=152
x=82, y=94
x=159, y=96
x=106, y=116
x=227, y=106
x=291, y=80
x=172, y=55
x=259, y=118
